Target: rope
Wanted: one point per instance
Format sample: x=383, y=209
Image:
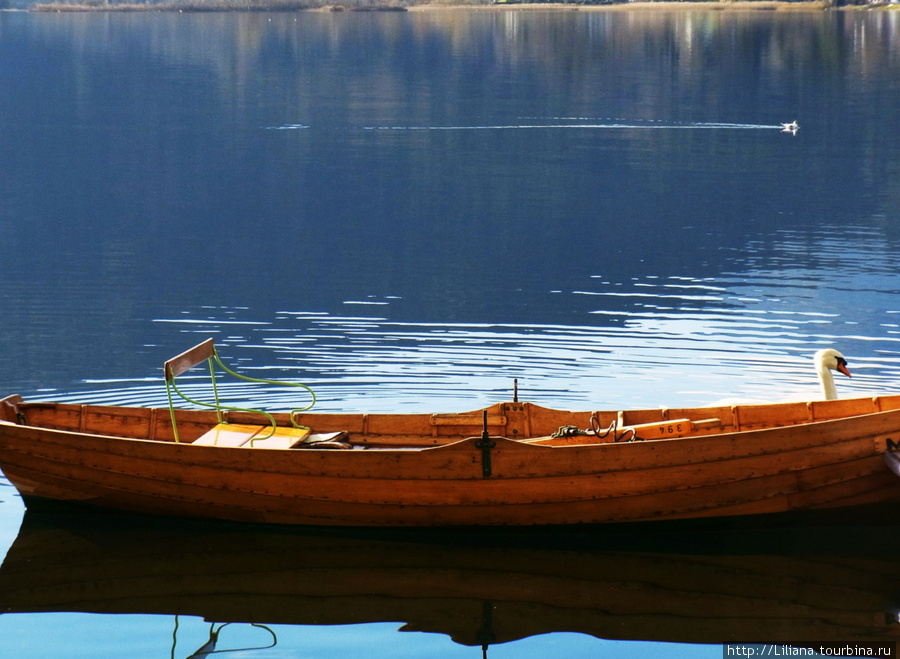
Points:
x=613, y=428
x=575, y=431
x=568, y=431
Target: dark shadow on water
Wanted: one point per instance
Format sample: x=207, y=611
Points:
x=775, y=580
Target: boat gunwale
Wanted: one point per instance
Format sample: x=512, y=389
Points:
x=456, y=444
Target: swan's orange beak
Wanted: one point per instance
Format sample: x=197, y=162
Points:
x=842, y=367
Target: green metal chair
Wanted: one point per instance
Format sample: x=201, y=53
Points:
x=206, y=352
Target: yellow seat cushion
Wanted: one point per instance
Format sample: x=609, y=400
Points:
x=228, y=434
x=239, y=434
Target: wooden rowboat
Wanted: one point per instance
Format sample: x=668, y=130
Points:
x=513, y=463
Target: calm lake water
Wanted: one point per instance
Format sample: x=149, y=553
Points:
x=408, y=212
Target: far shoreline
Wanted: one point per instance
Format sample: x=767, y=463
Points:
x=642, y=5
x=253, y=6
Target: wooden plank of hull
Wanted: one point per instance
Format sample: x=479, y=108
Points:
x=417, y=488
x=537, y=490
x=373, y=484
x=251, y=489
x=513, y=459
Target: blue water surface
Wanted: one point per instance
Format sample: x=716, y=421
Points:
x=409, y=211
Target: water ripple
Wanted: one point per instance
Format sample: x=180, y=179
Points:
x=652, y=358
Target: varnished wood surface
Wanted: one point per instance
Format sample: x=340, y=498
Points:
x=426, y=470
x=188, y=359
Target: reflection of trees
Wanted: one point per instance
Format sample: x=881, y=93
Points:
x=342, y=73
x=650, y=62
x=670, y=66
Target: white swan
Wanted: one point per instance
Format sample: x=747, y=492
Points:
x=826, y=361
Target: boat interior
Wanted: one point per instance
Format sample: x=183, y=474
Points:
x=526, y=422
x=239, y=427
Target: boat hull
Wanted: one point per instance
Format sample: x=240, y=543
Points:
x=822, y=464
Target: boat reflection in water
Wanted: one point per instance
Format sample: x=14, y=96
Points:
x=686, y=585
x=212, y=645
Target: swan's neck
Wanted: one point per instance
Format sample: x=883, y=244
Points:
x=829, y=391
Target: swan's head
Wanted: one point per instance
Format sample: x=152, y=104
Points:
x=831, y=360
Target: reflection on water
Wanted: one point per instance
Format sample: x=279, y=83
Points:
x=577, y=123
x=645, y=342
x=650, y=340
x=696, y=586
x=214, y=645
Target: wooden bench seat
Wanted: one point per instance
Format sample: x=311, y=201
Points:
x=239, y=434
